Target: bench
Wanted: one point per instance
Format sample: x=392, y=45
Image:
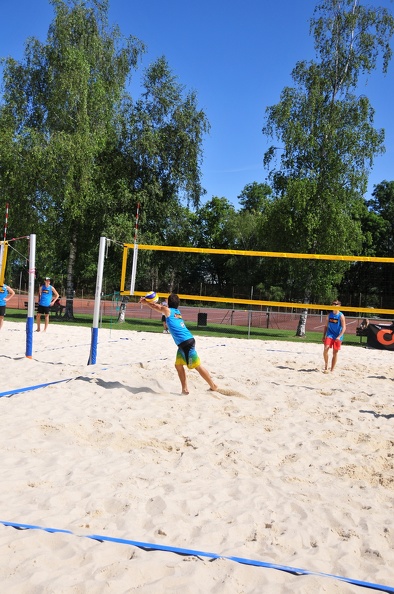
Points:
x=56, y=309
x=362, y=330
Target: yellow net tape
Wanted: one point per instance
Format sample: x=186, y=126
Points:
x=315, y=306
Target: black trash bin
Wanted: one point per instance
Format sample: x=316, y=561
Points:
x=202, y=319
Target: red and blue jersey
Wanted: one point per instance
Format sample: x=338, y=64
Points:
x=334, y=325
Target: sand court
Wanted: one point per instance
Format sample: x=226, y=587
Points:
x=283, y=465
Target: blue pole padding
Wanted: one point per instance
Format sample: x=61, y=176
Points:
x=29, y=336
x=93, y=347
x=148, y=546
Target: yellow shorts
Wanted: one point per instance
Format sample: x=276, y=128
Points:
x=187, y=355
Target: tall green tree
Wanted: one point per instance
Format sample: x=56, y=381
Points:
x=62, y=102
x=372, y=284
x=380, y=223
x=162, y=147
x=255, y=197
x=213, y=220
x=382, y=204
x=156, y=164
x=247, y=231
x=80, y=153
x=328, y=142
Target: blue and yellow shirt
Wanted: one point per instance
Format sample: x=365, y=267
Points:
x=177, y=327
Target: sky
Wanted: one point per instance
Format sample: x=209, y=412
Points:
x=237, y=57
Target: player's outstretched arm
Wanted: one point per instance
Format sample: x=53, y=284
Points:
x=156, y=306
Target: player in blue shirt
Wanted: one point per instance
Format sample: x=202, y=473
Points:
x=333, y=335
x=47, y=295
x=5, y=295
x=184, y=339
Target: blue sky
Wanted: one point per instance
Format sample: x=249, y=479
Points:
x=236, y=55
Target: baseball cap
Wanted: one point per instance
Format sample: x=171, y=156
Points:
x=47, y=278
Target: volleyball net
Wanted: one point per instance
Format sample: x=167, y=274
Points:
x=128, y=281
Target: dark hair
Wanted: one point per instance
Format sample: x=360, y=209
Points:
x=173, y=301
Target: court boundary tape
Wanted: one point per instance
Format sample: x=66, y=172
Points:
x=30, y=388
x=147, y=546
x=9, y=393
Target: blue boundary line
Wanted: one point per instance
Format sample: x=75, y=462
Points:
x=30, y=388
x=147, y=546
x=69, y=379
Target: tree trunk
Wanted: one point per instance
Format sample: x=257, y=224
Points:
x=69, y=311
x=171, y=283
x=301, y=328
x=302, y=323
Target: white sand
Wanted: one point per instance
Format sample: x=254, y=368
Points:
x=295, y=468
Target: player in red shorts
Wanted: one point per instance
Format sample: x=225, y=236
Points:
x=333, y=335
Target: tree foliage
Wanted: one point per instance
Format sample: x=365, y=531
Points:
x=328, y=141
x=79, y=153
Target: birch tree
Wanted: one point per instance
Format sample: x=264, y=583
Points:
x=324, y=128
x=61, y=102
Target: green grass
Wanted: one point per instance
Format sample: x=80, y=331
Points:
x=217, y=330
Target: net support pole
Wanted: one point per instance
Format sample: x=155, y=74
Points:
x=30, y=302
x=250, y=313
x=97, y=302
x=134, y=269
x=135, y=252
